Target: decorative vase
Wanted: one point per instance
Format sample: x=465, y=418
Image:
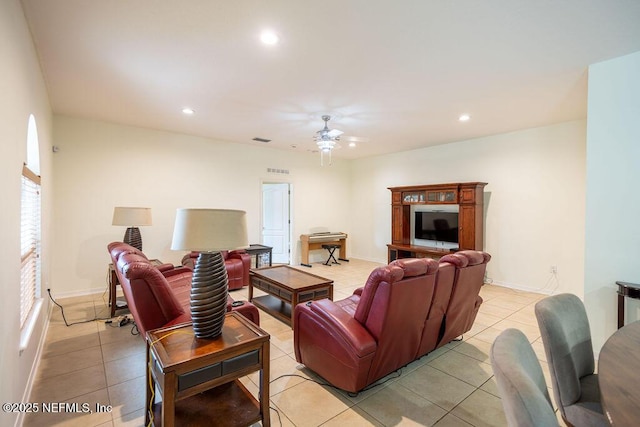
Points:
x=132, y=237
x=209, y=288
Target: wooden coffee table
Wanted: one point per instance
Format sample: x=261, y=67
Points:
x=285, y=287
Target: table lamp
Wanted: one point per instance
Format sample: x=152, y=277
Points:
x=132, y=218
x=209, y=231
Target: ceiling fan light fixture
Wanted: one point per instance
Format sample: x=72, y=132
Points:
x=326, y=139
x=326, y=146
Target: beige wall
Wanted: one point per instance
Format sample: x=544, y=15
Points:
x=534, y=201
x=23, y=93
x=613, y=202
x=100, y=165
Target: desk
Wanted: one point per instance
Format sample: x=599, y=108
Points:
x=313, y=241
x=625, y=289
x=258, y=250
x=197, y=378
x=619, y=376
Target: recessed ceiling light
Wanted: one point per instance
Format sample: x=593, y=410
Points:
x=352, y=144
x=188, y=111
x=268, y=37
x=464, y=118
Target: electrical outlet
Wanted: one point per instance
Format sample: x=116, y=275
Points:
x=553, y=269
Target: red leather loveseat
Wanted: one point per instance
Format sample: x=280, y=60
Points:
x=159, y=297
x=237, y=263
x=405, y=310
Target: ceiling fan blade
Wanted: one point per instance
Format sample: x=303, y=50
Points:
x=334, y=133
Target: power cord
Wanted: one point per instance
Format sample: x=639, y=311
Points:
x=65, y=319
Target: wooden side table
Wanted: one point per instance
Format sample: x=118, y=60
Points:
x=197, y=379
x=625, y=289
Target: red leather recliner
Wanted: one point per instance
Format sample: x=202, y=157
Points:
x=237, y=263
x=159, y=298
x=465, y=301
x=358, y=340
x=354, y=342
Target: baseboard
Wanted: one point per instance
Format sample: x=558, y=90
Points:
x=58, y=295
x=36, y=364
x=521, y=287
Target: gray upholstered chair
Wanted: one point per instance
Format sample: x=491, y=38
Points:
x=522, y=387
x=566, y=336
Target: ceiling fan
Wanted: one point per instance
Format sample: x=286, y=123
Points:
x=327, y=139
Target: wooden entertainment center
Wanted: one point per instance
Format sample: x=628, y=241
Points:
x=467, y=195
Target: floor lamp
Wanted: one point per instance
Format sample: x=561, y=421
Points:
x=209, y=231
x=132, y=218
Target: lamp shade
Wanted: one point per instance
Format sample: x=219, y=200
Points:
x=131, y=217
x=210, y=230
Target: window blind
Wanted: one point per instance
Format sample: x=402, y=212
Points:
x=29, y=242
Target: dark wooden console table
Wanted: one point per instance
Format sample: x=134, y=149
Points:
x=625, y=289
x=257, y=250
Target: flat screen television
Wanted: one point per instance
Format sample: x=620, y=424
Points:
x=436, y=225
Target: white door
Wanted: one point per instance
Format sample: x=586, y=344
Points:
x=275, y=220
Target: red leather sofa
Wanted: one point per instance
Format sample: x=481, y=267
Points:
x=159, y=296
x=237, y=263
x=405, y=310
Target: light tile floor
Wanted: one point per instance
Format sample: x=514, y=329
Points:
x=95, y=363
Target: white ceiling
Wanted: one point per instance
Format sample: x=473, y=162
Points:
x=397, y=74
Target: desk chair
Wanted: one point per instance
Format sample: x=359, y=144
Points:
x=566, y=336
x=522, y=387
x=331, y=248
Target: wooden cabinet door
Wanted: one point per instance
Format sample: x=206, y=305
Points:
x=396, y=224
x=467, y=228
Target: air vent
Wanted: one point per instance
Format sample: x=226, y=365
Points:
x=261, y=139
x=273, y=170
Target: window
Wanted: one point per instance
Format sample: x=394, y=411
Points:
x=29, y=243
x=30, y=237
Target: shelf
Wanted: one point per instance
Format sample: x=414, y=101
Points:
x=413, y=251
x=274, y=306
x=230, y=404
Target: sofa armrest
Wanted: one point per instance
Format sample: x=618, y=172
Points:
x=243, y=256
x=344, y=325
x=240, y=254
x=175, y=270
x=165, y=267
